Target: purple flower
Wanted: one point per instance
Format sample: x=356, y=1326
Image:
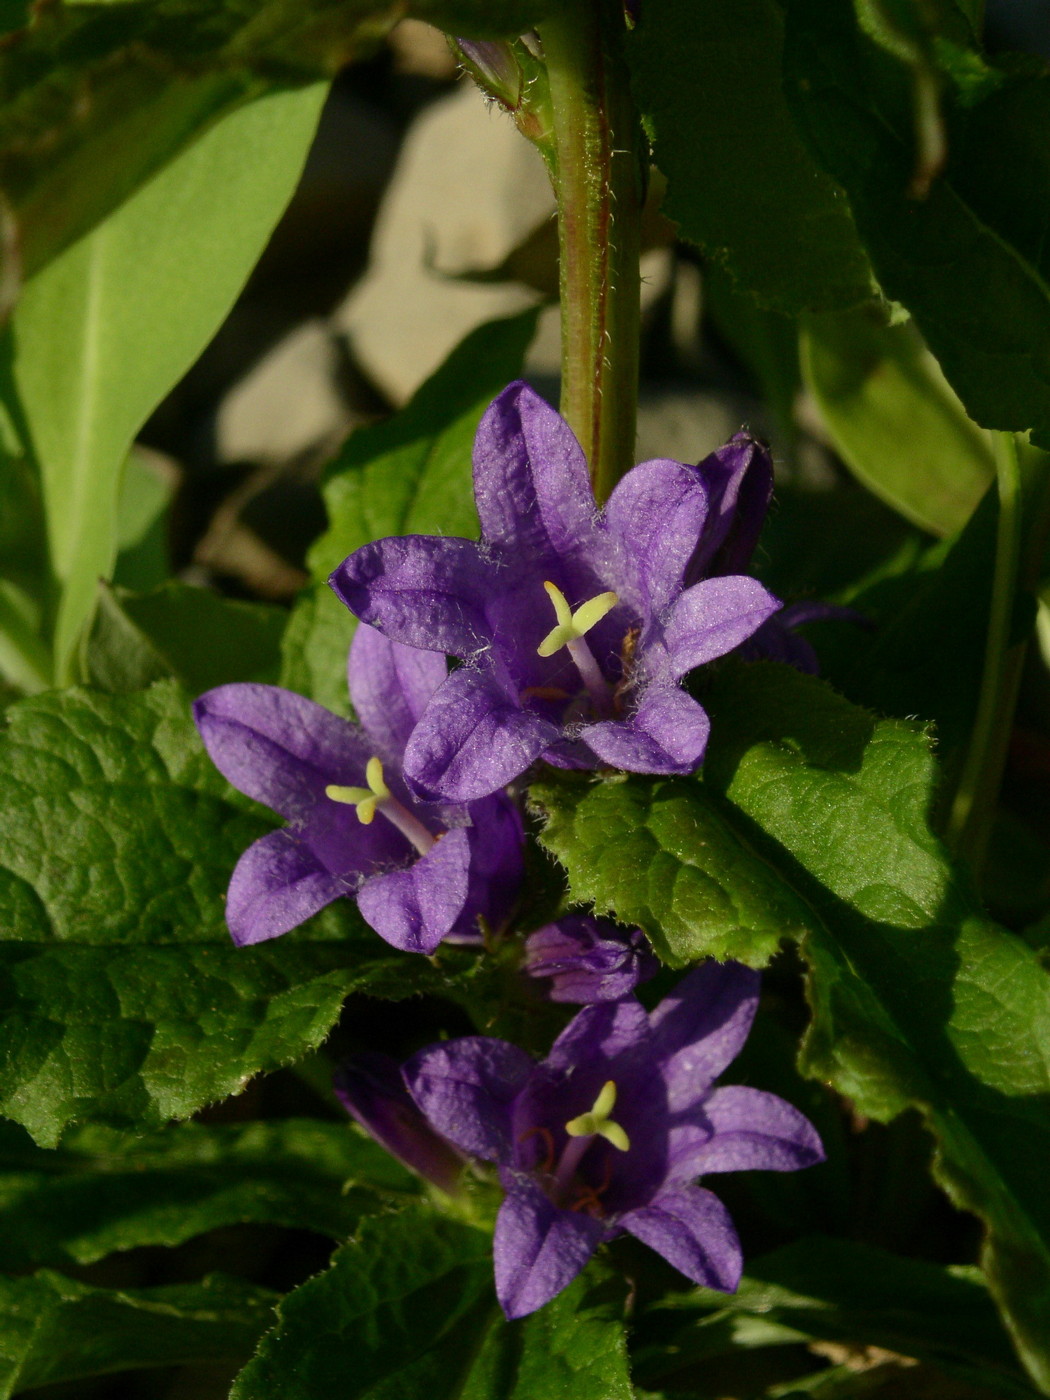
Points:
x=577, y=625
x=589, y=959
x=372, y=1091
x=610, y=1132
x=419, y=872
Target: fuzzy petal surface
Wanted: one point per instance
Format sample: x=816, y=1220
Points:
x=655, y=516
x=424, y=590
x=466, y=1089
x=666, y=733
x=390, y=685
x=701, y=1027
x=474, y=738
x=691, y=1228
x=276, y=885
x=413, y=909
x=712, y=618
x=738, y=479
x=753, y=1131
x=538, y=1249
x=278, y=747
x=497, y=861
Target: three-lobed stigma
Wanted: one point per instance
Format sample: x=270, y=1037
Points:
x=598, y=1123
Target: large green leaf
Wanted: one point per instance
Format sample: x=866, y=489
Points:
x=741, y=184
x=53, y=1329
x=409, y=475
x=102, y=334
x=122, y=997
x=918, y=1000
x=96, y=98
x=895, y=420
x=969, y=260
x=103, y=1191
x=661, y=854
x=827, y=1290
x=408, y=1309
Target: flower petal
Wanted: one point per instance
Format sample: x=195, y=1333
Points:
x=277, y=746
x=655, y=517
x=276, y=885
x=666, y=733
x=538, y=1249
x=754, y=1131
x=473, y=739
x=589, y=960
x=712, y=618
x=598, y=1034
x=739, y=482
x=691, y=1228
x=390, y=685
x=497, y=862
x=701, y=1026
x=423, y=590
x=466, y=1088
x=413, y=909
x=531, y=483
x=372, y=1091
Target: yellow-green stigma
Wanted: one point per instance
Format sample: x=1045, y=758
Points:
x=365, y=799
x=572, y=626
x=597, y=1122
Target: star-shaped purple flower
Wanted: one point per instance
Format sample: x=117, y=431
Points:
x=610, y=1132
x=589, y=959
x=576, y=625
x=419, y=872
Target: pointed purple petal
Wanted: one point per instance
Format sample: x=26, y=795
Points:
x=754, y=1131
x=413, y=909
x=666, y=733
x=422, y=590
x=599, y=1034
x=276, y=885
x=701, y=1027
x=713, y=617
x=655, y=517
x=466, y=1088
x=497, y=861
x=739, y=482
x=538, y=1249
x=372, y=1091
x=473, y=739
x=277, y=746
x=531, y=483
x=390, y=685
x=691, y=1228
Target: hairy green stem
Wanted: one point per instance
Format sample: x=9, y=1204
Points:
x=598, y=182
x=973, y=808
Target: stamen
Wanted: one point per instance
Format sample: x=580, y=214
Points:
x=377, y=797
x=597, y=1122
x=572, y=626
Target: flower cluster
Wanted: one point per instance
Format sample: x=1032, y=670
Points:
x=608, y=1134
x=573, y=628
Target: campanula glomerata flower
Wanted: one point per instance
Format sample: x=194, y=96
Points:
x=419, y=872
x=589, y=959
x=610, y=1132
x=575, y=625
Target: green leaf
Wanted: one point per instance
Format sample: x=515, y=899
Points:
x=199, y=637
x=918, y=999
x=123, y=999
x=969, y=260
x=408, y=1309
x=103, y=1191
x=102, y=334
x=408, y=475
x=707, y=79
x=895, y=420
x=828, y=1290
x=53, y=1329
x=95, y=98
x=662, y=855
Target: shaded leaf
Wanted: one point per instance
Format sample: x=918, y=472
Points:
x=715, y=69
x=53, y=1329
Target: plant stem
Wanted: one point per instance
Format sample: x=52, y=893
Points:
x=973, y=808
x=598, y=183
